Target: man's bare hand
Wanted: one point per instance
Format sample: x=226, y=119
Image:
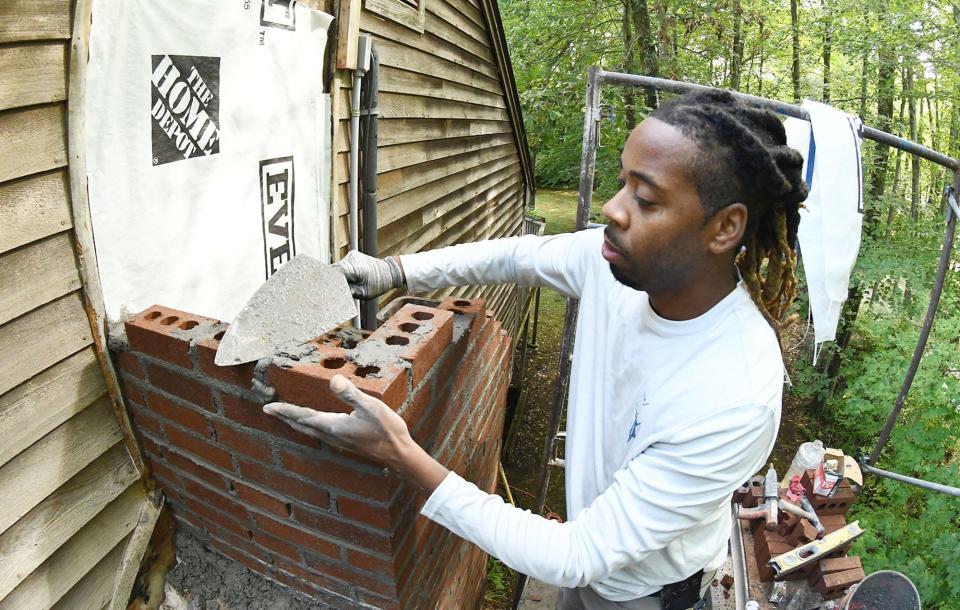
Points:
x=373, y=430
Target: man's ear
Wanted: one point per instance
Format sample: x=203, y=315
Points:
x=726, y=228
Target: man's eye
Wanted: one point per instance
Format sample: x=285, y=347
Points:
x=621, y=182
x=641, y=201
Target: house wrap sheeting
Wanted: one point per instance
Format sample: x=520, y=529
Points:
x=207, y=148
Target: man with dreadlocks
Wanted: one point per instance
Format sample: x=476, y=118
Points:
x=677, y=376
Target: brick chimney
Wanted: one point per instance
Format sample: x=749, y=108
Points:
x=333, y=526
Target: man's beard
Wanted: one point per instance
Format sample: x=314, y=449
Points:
x=625, y=279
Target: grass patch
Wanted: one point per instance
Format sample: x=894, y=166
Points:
x=560, y=210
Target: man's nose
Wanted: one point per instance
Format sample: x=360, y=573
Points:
x=613, y=209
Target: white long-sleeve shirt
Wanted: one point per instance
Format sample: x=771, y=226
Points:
x=665, y=420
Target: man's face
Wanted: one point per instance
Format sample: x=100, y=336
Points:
x=655, y=240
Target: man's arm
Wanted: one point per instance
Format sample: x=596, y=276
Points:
x=663, y=492
x=670, y=487
x=558, y=261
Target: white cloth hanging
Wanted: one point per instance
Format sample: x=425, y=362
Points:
x=831, y=222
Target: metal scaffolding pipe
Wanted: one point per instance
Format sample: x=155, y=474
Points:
x=672, y=86
x=886, y=474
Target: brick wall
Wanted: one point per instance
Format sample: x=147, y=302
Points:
x=333, y=526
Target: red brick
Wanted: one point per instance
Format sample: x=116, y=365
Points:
x=210, y=515
x=802, y=533
x=838, y=504
x=472, y=308
x=299, y=536
x=132, y=393
x=832, y=523
x=187, y=466
x=201, y=448
x=271, y=479
x=257, y=565
x=308, y=384
x=262, y=500
x=331, y=525
x=129, y=363
x=276, y=545
x=309, y=582
x=146, y=420
x=240, y=538
x=149, y=447
x=159, y=469
x=242, y=442
x=153, y=333
x=423, y=397
x=374, y=516
x=251, y=415
x=839, y=564
x=218, y=500
x=369, y=563
x=374, y=486
x=832, y=586
x=183, y=515
x=451, y=359
x=383, y=603
x=356, y=578
x=428, y=332
x=179, y=385
x=240, y=375
x=180, y=415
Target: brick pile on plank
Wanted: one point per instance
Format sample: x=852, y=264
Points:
x=830, y=576
x=332, y=526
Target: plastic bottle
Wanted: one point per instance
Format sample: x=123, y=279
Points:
x=809, y=455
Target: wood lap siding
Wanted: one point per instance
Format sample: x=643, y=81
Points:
x=70, y=494
x=449, y=170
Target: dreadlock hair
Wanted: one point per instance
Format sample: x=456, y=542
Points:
x=744, y=158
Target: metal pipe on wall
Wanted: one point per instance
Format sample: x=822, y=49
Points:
x=368, y=312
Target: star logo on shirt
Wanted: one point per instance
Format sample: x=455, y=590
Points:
x=636, y=421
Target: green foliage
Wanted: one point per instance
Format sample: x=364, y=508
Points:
x=499, y=583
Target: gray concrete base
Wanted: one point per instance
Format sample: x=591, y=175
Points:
x=538, y=596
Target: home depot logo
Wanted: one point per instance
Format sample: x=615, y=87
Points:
x=278, y=14
x=276, y=197
x=185, y=97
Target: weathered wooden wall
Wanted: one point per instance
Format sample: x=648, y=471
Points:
x=71, y=495
x=449, y=162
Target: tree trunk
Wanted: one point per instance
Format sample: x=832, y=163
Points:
x=885, y=91
x=646, y=45
x=827, y=43
x=864, y=70
x=954, y=128
x=737, y=60
x=795, y=30
x=667, y=39
x=760, y=35
x=910, y=93
x=629, y=64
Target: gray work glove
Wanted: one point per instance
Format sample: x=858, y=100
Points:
x=368, y=276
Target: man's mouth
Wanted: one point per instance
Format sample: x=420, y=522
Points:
x=609, y=251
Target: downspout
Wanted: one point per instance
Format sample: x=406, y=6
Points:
x=363, y=64
x=370, y=144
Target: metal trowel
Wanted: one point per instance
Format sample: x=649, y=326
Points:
x=300, y=302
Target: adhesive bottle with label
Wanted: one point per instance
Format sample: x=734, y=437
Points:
x=809, y=455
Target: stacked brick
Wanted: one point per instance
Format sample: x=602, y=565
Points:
x=830, y=576
x=330, y=525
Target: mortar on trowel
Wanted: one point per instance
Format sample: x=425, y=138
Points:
x=300, y=302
